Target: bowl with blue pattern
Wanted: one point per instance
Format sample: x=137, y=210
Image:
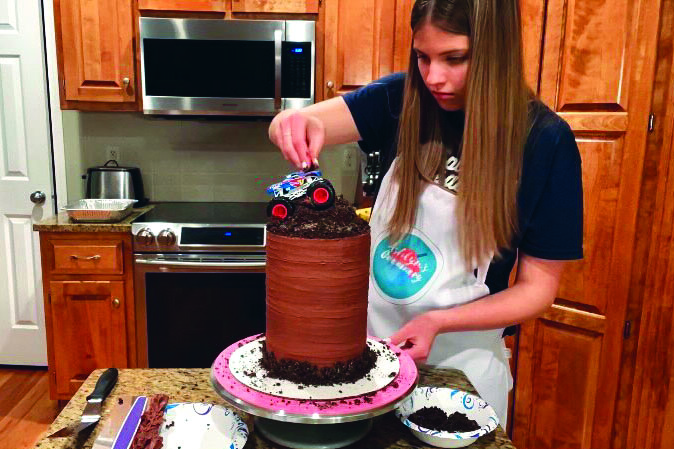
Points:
x=194, y=425
x=448, y=400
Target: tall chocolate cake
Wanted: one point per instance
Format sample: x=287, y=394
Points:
x=317, y=283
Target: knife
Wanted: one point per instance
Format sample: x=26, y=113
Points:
x=92, y=411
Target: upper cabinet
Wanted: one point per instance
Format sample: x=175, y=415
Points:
x=532, y=37
x=367, y=39
x=403, y=35
x=359, y=44
x=184, y=5
x=95, y=43
x=275, y=6
x=234, y=6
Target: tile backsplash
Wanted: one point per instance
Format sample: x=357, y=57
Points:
x=191, y=159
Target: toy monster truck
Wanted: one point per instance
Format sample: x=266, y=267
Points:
x=298, y=185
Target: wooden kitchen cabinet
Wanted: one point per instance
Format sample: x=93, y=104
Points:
x=184, y=5
x=89, y=305
x=96, y=58
x=235, y=6
x=370, y=39
x=88, y=330
x=596, y=71
x=276, y=6
x=359, y=44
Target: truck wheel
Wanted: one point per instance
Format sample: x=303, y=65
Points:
x=322, y=194
x=280, y=208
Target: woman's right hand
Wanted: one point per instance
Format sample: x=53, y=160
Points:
x=300, y=137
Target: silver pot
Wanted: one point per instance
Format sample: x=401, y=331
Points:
x=114, y=182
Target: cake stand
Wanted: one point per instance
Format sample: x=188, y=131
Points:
x=312, y=424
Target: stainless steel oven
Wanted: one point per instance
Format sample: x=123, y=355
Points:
x=199, y=287
x=226, y=67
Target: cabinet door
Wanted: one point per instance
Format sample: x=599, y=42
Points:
x=532, y=37
x=183, y=5
x=97, y=49
x=276, y=6
x=359, y=43
x=403, y=35
x=596, y=71
x=532, y=29
x=89, y=330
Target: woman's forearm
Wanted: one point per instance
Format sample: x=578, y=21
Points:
x=511, y=306
x=334, y=116
x=533, y=293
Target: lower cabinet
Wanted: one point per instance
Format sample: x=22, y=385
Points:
x=89, y=307
x=89, y=330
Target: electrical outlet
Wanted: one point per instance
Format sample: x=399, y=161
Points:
x=349, y=160
x=112, y=153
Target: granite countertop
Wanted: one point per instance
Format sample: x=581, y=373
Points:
x=61, y=223
x=193, y=385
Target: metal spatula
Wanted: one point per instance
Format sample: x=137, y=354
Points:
x=92, y=411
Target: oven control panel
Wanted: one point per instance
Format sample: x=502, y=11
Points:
x=164, y=237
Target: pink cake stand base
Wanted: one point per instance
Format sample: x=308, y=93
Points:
x=278, y=408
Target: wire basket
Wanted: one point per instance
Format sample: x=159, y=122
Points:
x=99, y=210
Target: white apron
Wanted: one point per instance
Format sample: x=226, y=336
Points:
x=426, y=272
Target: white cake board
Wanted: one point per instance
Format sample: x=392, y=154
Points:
x=247, y=359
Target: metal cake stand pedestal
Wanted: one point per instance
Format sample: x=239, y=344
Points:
x=312, y=424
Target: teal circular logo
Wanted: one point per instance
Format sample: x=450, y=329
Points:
x=402, y=271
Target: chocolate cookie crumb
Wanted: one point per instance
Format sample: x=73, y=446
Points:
x=308, y=374
x=337, y=221
x=434, y=418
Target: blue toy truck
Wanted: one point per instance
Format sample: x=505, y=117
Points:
x=297, y=185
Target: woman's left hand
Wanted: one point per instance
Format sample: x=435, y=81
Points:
x=417, y=336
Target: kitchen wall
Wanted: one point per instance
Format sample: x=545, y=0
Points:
x=191, y=159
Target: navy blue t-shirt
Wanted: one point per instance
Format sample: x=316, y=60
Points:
x=550, y=198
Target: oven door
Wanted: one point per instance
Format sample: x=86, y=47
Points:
x=189, y=308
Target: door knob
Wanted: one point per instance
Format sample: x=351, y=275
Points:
x=38, y=197
x=115, y=303
x=126, y=82
x=330, y=84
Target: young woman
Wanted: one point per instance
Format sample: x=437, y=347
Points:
x=481, y=174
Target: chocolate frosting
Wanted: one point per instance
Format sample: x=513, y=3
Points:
x=317, y=298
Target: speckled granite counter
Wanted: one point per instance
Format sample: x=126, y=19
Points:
x=193, y=385
x=61, y=223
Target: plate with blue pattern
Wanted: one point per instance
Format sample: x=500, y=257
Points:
x=449, y=400
x=194, y=425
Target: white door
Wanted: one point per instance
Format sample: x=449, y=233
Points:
x=25, y=168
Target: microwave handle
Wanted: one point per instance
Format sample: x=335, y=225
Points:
x=278, y=38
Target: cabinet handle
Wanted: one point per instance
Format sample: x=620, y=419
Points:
x=76, y=257
x=115, y=303
x=330, y=84
x=126, y=81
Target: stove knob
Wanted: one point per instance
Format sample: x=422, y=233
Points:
x=166, y=237
x=145, y=236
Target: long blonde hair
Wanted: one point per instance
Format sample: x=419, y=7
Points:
x=495, y=127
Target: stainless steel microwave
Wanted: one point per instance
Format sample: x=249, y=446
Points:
x=226, y=67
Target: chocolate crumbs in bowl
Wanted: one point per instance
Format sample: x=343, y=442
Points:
x=434, y=418
x=337, y=221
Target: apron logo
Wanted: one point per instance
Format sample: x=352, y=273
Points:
x=402, y=272
x=407, y=260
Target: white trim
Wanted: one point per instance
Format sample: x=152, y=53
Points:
x=58, y=147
